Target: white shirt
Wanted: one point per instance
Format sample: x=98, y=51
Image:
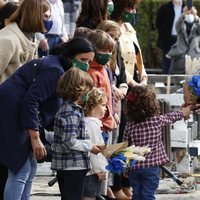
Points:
x=178, y=12
x=57, y=16
x=98, y=162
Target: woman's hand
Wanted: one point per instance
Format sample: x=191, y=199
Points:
x=118, y=93
x=44, y=45
x=124, y=91
x=38, y=148
x=133, y=83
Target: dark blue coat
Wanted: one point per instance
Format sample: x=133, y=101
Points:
x=21, y=100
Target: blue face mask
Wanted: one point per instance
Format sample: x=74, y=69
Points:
x=48, y=24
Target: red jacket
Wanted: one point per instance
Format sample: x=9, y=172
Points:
x=101, y=80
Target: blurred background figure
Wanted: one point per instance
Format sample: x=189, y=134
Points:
x=93, y=12
x=72, y=10
x=57, y=32
x=166, y=19
x=188, y=40
x=17, y=39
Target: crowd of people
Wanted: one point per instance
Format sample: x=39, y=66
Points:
x=85, y=82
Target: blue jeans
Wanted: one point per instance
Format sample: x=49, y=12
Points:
x=144, y=183
x=18, y=186
x=53, y=40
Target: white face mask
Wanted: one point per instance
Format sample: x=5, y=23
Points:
x=189, y=18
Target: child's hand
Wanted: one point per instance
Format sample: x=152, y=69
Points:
x=101, y=176
x=95, y=149
x=186, y=111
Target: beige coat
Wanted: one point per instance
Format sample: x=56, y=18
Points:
x=15, y=50
x=127, y=40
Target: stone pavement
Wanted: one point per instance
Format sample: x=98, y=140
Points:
x=167, y=188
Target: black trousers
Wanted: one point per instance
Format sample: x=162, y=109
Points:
x=71, y=184
x=3, y=179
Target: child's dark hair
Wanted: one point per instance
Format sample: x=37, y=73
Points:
x=70, y=49
x=141, y=103
x=6, y=11
x=94, y=97
x=73, y=83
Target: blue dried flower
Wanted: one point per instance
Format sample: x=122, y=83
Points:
x=195, y=84
x=117, y=164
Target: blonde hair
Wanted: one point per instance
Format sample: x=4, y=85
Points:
x=29, y=15
x=102, y=40
x=109, y=25
x=74, y=83
x=94, y=97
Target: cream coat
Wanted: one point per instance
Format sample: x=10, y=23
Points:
x=127, y=40
x=15, y=50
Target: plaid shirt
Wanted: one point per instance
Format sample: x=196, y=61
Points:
x=149, y=133
x=71, y=142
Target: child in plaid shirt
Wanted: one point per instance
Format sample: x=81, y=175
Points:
x=72, y=145
x=144, y=128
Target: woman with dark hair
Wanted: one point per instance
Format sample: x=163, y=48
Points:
x=6, y=11
x=124, y=14
x=17, y=39
x=93, y=12
x=28, y=100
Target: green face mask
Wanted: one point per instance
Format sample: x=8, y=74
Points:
x=84, y=97
x=110, y=8
x=81, y=65
x=128, y=17
x=103, y=58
